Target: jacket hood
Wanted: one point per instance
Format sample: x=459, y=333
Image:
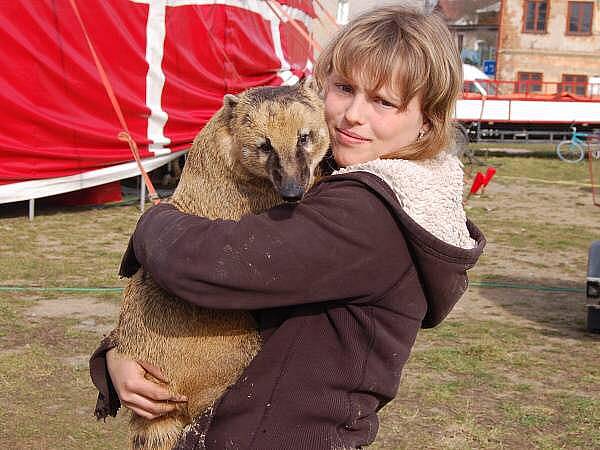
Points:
x=426, y=200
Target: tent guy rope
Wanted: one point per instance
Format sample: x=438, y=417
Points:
x=278, y=9
x=124, y=135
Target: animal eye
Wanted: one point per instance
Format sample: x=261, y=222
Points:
x=266, y=146
x=303, y=138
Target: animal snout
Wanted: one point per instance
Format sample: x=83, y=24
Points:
x=291, y=192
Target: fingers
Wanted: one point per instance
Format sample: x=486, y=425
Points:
x=156, y=391
x=153, y=370
x=147, y=408
x=150, y=390
x=146, y=398
x=141, y=412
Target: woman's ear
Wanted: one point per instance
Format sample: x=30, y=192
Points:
x=423, y=129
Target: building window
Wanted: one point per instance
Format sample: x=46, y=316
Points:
x=536, y=13
x=576, y=84
x=460, y=41
x=529, y=82
x=579, y=17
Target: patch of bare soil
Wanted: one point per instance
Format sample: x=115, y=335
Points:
x=77, y=361
x=72, y=307
x=550, y=203
x=557, y=315
x=92, y=314
x=567, y=269
x=523, y=220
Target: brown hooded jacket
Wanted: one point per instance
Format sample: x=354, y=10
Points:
x=339, y=284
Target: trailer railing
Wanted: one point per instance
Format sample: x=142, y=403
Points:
x=532, y=90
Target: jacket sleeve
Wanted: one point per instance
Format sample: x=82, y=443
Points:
x=340, y=243
x=108, y=401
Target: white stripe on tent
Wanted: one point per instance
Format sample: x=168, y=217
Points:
x=155, y=78
x=27, y=190
x=256, y=6
x=154, y=85
x=286, y=75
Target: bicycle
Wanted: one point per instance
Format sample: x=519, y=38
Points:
x=462, y=149
x=572, y=150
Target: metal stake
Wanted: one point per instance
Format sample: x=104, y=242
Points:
x=142, y=194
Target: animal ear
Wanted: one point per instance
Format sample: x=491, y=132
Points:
x=230, y=100
x=309, y=82
x=229, y=103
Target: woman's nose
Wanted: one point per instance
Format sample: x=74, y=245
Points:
x=355, y=109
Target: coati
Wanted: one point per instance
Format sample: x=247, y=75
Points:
x=262, y=146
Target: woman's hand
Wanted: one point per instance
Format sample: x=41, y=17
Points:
x=144, y=397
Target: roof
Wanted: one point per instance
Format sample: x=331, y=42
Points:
x=471, y=73
x=494, y=7
x=465, y=12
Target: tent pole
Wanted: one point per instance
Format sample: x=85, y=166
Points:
x=31, y=208
x=142, y=194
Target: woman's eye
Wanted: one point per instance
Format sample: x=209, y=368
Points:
x=344, y=87
x=383, y=102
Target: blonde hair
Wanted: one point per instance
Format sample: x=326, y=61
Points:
x=411, y=52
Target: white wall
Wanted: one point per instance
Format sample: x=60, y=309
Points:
x=358, y=6
x=323, y=32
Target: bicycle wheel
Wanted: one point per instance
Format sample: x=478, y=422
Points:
x=569, y=151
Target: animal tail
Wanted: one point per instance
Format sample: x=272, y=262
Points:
x=158, y=434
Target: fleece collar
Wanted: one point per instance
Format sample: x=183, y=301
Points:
x=430, y=192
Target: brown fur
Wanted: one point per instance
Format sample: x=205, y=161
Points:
x=245, y=159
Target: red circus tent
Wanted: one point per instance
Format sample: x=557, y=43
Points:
x=170, y=62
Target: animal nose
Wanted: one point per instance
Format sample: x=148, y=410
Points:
x=291, y=192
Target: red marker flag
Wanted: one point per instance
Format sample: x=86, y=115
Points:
x=478, y=181
x=489, y=174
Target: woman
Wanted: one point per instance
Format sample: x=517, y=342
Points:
x=340, y=283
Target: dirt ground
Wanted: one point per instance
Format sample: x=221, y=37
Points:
x=537, y=231
x=508, y=369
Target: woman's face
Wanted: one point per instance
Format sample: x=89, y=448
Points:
x=365, y=126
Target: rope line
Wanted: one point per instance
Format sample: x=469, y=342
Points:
x=275, y=7
x=530, y=287
x=483, y=284
x=328, y=15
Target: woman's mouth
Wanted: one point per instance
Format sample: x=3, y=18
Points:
x=348, y=137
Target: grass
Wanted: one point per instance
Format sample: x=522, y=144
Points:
x=533, y=234
x=44, y=378
x=508, y=369
x=486, y=387
x=538, y=169
x=79, y=246
x=533, y=147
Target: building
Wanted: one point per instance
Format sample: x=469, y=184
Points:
x=549, y=47
x=474, y=23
